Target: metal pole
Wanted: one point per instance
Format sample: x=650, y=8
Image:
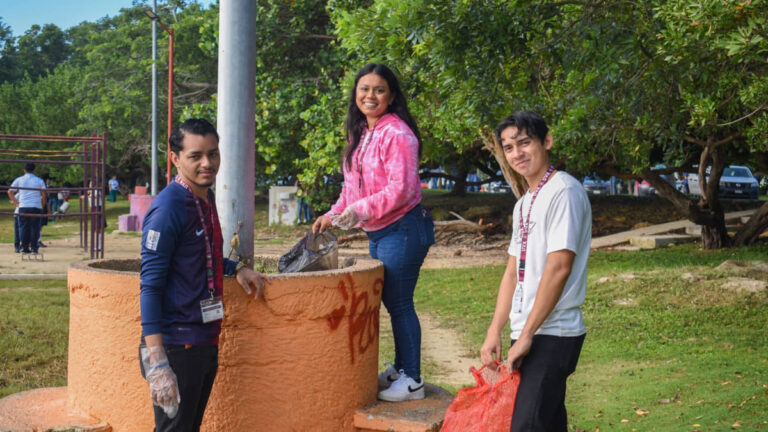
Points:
x=154, y=101
x=236, y=123
x=170, y=106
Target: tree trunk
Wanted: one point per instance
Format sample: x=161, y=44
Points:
x=749, y=233
x=715, y=237
x=708, y=212
x=516, y=182
x=460, y=185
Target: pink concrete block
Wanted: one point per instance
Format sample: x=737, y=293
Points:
x=139, y=206
x=126, y=222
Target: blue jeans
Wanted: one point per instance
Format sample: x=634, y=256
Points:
x=16, y=233
x=53, y=206
x=304, y=213
x=402, y=247
x=29, y=228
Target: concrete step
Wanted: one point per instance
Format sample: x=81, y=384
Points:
x=43, y=410
x=655, y=241
x=695, y=230
x=425, y=415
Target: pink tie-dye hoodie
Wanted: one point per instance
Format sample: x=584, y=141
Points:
x=390, y=185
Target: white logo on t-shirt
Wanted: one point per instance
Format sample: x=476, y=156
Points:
x=153, y=238
x=199, y=233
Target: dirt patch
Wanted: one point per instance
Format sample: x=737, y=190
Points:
x=752, y=269
x=745, y=285
x=125, y=265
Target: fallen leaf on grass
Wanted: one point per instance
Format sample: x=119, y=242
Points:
x=737, y=424
x=664, y=401
x=624, y=421
x=641, y=412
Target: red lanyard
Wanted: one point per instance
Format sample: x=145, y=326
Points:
x=524, y=228
x=208, y=243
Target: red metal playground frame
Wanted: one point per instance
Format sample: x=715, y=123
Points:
x=92, y=158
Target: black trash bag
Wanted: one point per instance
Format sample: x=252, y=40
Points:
x=311, y=253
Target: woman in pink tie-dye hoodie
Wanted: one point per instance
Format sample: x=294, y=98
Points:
x=382, y=195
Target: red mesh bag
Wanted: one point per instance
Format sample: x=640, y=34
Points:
x=486, y=407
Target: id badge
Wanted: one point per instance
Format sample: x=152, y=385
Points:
x=212, y=309
x=517, y=300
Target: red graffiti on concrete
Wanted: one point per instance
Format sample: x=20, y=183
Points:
x=363, y=317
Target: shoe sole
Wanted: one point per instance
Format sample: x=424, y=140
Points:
x=412, y=396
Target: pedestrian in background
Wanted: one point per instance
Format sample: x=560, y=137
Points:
x=113, y=185
x=32, y=199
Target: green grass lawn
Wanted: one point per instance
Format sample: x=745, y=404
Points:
x=668, y=346
x=34, y=327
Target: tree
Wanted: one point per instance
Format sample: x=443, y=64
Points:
x=679, y=82
x=40, y=50
x=448, y=53
x=8, y=66
x=298, y=131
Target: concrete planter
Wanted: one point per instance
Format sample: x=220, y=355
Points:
x=303, y=358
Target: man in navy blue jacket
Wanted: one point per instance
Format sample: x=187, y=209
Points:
x=182, y=277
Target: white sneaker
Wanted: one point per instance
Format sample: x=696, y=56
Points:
x=388, y=376
x=403, y=389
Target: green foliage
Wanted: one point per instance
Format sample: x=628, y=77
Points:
x=624, y=86
x=448, y=55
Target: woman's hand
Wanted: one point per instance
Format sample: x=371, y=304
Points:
x=347, y=219
x=321, y=224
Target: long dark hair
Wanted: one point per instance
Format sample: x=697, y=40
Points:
x=355, y=124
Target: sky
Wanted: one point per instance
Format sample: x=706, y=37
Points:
x=21, y=14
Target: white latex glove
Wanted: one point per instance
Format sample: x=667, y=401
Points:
x=346, y=220
x=163, y=387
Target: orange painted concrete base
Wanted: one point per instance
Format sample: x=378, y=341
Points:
x=304, y=357
x=45, y=409
x=42, y=410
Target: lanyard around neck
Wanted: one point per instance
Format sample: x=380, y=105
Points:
x=208, y=244
x=524, y=228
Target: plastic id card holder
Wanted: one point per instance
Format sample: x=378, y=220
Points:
x=212, y=309
x=517, y=299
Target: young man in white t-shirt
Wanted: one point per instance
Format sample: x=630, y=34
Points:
x=545, y=281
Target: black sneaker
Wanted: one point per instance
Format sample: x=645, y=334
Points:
x=41, y=244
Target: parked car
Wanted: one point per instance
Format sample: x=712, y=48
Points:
x=643, y=188
x=499, y=186
x=594, y=185
x=736, y=182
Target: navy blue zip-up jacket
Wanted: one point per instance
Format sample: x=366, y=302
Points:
x=173, y=269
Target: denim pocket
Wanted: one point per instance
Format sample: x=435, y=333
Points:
x=426, y=227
